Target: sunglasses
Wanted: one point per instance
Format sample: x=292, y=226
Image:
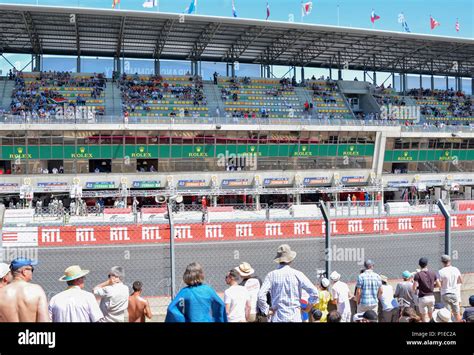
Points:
x=30, y=268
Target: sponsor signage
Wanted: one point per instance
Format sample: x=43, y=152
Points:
x=146, y=184
x=405, y=156
x=52, y=186
x=352, y=151
x=276, y=182
x=235, y=182
x=304, y=152
x=398, y=183
x=243, y=231
x=352, y=179
x=9, y=186
x=100, y=185
x=141, y=153
x=191, y=183
x=309, y=181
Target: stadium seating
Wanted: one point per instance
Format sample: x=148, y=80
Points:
x=328, y=102
x=259, y=97
x=163, y=96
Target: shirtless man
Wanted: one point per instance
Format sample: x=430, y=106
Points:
x=5, y=275
x=22, y=301
x=138, y=307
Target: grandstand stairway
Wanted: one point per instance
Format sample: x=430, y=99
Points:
x=303, y=95
x=212, y=94
x=113, y=101
x=6, y=89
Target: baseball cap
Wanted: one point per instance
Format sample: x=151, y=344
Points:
x=324, y=282
x=4, y=269
x=406, y=274
x=20, y=262
x=368, y=263
x=368, y=315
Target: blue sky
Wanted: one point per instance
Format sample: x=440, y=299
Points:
x=352, y=13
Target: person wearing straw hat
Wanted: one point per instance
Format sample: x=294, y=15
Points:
x=5, y=275
x=285, y=285
x=341, y=296
x=74, y=304
x=21, y=300
x=252, y=283
x=442, y=315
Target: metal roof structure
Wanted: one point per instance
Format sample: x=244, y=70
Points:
x=137, y=34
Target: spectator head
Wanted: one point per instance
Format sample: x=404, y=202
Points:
x=137, y=286
x=5, y=274
x=409, y=315
x=116, y=273
x=423, y=262
x=384, y=279
x=369, y=264
x=471, y=300
x=284, y=254
x=335, y=276
x=23, y=268
x=446, y=259
x=334, y=317
x=442, y=315
x=245, y=270
x=366, y=317
x=317, y=314
x=232, y=277
x=324, y=283
x=193, y=275
x=406, y=275
x=74, y=276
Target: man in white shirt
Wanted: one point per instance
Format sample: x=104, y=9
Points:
x=252, y=283
x=341, y=296
x=450, y=277
x=389, y=304
x=74, y=304
x=236, y=299
x=114, y=296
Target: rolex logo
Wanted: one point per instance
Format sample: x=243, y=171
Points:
x=82, y=150
x=351, y=148
x=446, y=153
x=405, y=154
x=304, y=148
x=19, y=150
x=252, y=148
x=141, y=149
x=198, y=149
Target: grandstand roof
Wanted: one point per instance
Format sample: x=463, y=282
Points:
x=138, y=34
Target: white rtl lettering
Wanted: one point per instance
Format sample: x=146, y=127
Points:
x=119, y=234
x=243, y=230
x=355, y=226
x=151, y=233
x=469, y=221
x=51, y=236
x=214, y=231
x=183, y=232
x=454, y=222
x=301, y=228
x=428, y=223
x=273, y=229
x=380, y=225
x=85, y=235
x=333, y=227
x=404, y=224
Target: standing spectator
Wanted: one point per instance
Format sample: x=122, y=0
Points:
x=236, y=299
x=354, y=200
x=5, y=275
x=469, y=311
x=404, y=291
x=341, y=296
x=334, y=317
x=368, y=289
x=324, y=298
x=204, y=203
x=138, y=307
x=450, y=277
x=74, y=304
x=197, y=302
x=114, y=296
x=425, y=281
x=22, y=301
x=389, y=304
x=285, y=285
x=252, y=283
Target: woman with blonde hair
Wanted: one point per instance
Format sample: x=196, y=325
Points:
x=197, y=302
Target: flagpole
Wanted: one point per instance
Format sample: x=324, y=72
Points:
x=338, y=14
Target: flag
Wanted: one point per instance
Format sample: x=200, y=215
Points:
x=115, y=3
x=268, y=10
x=433, y=23
x=192, y=7
x=150, y=3
x=457, y=25
x=373, y=17
x=405, y=27
x=234, y=12
x=306, y=8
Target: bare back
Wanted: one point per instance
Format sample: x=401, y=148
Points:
x=138, y=308
x=21, y=301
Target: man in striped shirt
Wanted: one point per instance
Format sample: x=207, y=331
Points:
x=285, y=286
x=368, y=289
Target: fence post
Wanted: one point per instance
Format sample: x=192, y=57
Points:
x=447, y=227
x=172, y=258
x=327, y=243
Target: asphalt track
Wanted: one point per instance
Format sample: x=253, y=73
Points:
x=150, y=264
